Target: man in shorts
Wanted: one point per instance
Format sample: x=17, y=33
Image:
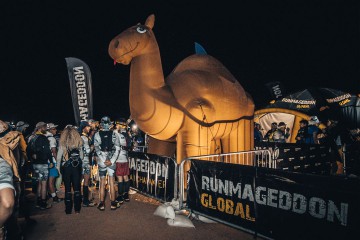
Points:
x=7, y=194
x=107, y=147
x=122, y=164
x=39, y=151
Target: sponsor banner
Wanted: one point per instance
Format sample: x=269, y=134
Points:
x=153, y=175
x=222, y=191
x=81, y=89
x=305, y=158
x=277, y=204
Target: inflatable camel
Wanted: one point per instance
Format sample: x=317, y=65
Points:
x=200, y=106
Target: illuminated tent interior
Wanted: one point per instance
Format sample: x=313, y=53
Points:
x=290, y=117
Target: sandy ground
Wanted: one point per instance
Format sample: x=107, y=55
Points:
x=133, y=220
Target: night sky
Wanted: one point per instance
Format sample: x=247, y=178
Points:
x=299, y=43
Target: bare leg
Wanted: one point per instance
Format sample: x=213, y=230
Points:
x=86, y=179
x=43, y=189
x=52, y=186
x=7, y=201
x=112, y=188
x=102, y=188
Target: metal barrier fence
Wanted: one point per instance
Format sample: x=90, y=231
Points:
x=260, y=158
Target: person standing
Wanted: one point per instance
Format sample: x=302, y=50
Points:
x=7, y=192
x=107, y=147
x=39, y=151
x=87, y=148
x=282, y=133
x=53, y=172
x=269, y=136
x=24, y=168
x=313, y=130
x=69, y=158
x=122, y=165
x=8, y=168
x=258, y=136
x=302, y=133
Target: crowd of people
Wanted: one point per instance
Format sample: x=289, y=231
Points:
x=335, y=136
x=67, y=157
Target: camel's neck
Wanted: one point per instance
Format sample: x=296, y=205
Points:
x=146, y=75
x=146, y=69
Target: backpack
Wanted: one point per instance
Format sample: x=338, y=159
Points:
x=106, y=140
x=127, y=138
x=31, y=148
x=74, y=154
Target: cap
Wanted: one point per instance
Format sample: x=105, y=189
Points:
x=121, y=121
x=83, y=124
x=304, y=121
x=106, y=123
x=91, y=121
x=281, y=124
x=313, y=120
x=40, y=124
x=22, y=124
x=51, y=125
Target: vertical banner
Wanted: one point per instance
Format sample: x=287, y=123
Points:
x=81, y=90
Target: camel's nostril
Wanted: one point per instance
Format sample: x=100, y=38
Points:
x=116, y=44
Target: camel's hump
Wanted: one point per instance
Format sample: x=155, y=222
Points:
x=206, y=63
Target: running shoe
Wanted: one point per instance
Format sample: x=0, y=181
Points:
x=89, y=204
x=114, y=205
x=126, y=197
x=101, y=206
x=120, y=199
x=56, y=199
x=45, y=205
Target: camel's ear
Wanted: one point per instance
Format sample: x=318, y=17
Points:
x=150, y=21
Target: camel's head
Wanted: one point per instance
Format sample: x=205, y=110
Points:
x=132, y=42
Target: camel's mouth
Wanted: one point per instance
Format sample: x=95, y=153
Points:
x=120, y=58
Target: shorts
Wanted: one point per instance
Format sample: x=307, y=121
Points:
x=41, y=172
x=109, y=170
x=122, y=169
x=86, y=169
x=53, y=172
x=6, y=175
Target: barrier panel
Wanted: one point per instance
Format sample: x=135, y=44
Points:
x=262, y=158
x=306, y=158
x=153, y=175
x=274, y=203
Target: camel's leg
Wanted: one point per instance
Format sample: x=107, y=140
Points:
x=192, y=140
x=241, y=138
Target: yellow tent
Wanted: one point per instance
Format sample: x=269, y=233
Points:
x=291, y=118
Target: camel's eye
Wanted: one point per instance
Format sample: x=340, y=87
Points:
x=140, y=29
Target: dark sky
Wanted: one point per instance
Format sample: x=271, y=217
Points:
x=299, y=43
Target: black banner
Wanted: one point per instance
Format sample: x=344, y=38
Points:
x=81, y=90
x=305, y=158
x=276, y=89
x=276, y=204
x=153, y=175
